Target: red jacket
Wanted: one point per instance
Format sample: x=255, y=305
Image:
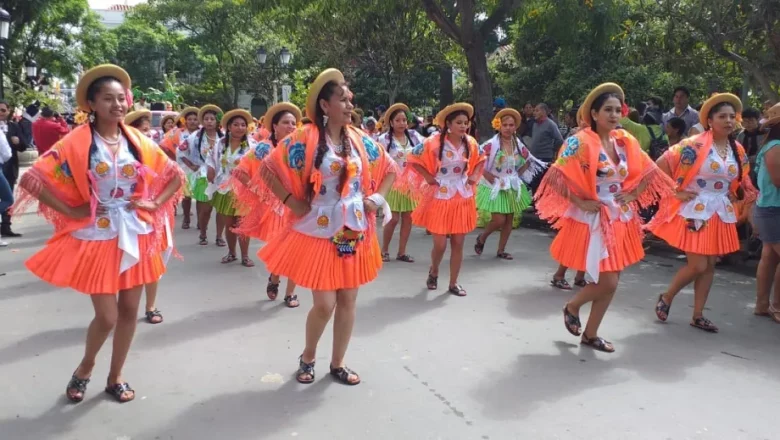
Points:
x=46, y=133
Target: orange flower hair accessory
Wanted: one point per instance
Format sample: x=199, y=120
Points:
x=80, y=118
x=496, y=124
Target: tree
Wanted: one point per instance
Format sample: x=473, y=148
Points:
x=146, y=50
x=471, y=24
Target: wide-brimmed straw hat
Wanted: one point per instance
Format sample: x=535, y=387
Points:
x=93, y=74
x=510, y=112
x=209, y=108
x=391, y=110
x=441, y=117
x=323, y=78
x=186, y=112
x=584, y=112
x=134, y=116
x=167, y=117
x=715, y=100
x=268, y=118
x=772, y=117
x=236, y=113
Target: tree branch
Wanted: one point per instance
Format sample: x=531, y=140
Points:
x=499, y=14
x=437, y=15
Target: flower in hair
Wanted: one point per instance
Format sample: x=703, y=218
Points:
x=496, y=124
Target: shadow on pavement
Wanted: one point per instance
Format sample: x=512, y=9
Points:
x=386, y=311
x=41, y=343
x=60, y=419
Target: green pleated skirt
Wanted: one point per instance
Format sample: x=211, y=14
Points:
x=199, y=186
x=400, y=202
x=224, y=203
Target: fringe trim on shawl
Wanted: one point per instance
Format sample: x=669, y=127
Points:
x=657, y=186
x=248, y=201
x=166, y=210
x=27, y=192
x=535, y=167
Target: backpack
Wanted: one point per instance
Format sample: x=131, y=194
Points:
x=658, y=145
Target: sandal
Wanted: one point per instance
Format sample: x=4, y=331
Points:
x=229, y=258
x=203, y=240
x=77, y=384
x=560, y=283
x=152, y=314
x=272, y=290
x=118, y=391
x=598, y=343
x=185, y=224
x=433, y=281
x=582, y=283
x=479, y=246
x=220, y=242
x=292, y=301
x=246, y=262
x=774, y=314
x=406, y=258
x=505, y=256
x=305, y=369
x=457, y=290
x=662, y=309
x=704, y=324
x=343, y=373
x=572, y=323
x=385, y=257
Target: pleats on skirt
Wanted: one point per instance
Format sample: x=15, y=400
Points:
x=570, y=246
x=457, y=215
x=714, y=238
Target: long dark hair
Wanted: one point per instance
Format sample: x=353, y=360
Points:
x=390, y=132
x=322, y=146
x=92, y=91
x=773, y=134
x=732, y=138
x=275, y=120
x=443, y=136
x=598, y=103
x=203, y=131
x=227, y=133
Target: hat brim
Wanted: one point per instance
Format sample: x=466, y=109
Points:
x=510, y=112
x=441, y=117
x=208, y=108
x=95, y=73
x=236, y=113
x=268, y=118
x=715, y=100
x=187, y=111
x=771, y=122
x=391, y=110
x=167, y=117
x=132, y=117
x=323, y=78
x=595, y=93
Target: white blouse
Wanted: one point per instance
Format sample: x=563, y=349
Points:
x=712, y=188
x=451, y=175
x=224, y=160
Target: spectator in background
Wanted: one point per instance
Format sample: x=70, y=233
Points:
x=546, y=138
x=751, y=136
x=656, y=103
x=379, y=112
x=141, y=104
x=13, y=134
x=681, y=108
x=570, y=119
x=648, y=132
x=6, y=195
x=697, y=127
x=641, y=108
x=371, y=129
x=28, y=117
x=675, y=130
x=48, y=129
x=527, y=128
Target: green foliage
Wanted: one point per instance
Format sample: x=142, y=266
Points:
x=23, y=96
x=146, y=50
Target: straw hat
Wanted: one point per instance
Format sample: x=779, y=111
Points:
x=323, y=78
x=98, y=72
x=391, y=110
x=236, y=113
x=715, y=100
x=584, y=112
x=186, y=112
x=772, y=117
x=441, y=117
x=133, y=117
x=267, y=119
x=167, y=117
x=209, y=108
x=509, y=112
x=357, y=121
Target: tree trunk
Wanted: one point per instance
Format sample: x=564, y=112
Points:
x=445, y=87
x=481, y=88
x=759, y=75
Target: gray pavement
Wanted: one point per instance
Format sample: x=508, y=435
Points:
x=497, y=364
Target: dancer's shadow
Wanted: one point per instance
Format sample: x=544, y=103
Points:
x=41, y=343
x=386, y=311
x=58, y=420
x=29, y=287
x=536, y=302
x=245, y=415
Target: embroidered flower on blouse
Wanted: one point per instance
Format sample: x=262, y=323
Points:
x=351, y=169
x=261, y=150
x=688, y=155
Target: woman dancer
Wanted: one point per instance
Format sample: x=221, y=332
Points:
x=446, y=167
x=501, y=191
x=332, y=179
x=399, y=142
x=592, y=194
x=174, y=143
x=261, y=221
x=142, y=121
x=711, y=171
x=221, y=161
x=106, y=189
x=199, y=146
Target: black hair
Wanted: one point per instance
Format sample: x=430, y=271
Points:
x=773, y=134
x=227, y=133
x=275, y=120
x=573, y=114
x=47, y=112
x=326, y=93
x=657, y=101
x=390, y=131
x=443, y=135
x=641, y=107
x=598, y=103
x=678, y=124
x=137, y=122
x=751, y=112
x=203, y=131
x=92, y=90
x=682, y=89
x=544, y=107
x=732, y=139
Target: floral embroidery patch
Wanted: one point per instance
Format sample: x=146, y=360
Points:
x=335, y=167
x=701, y=182
x=443, y=171
x=117, y=193
x=296, y=156
x=371, y=149
x=418, y=149
x=718, y=185
x=262, y=150
x=572, y=147
x=128, y=171
x=732, y=170
x=688, y=155
x=103, y=222
x=323, y=221
x=101, y=169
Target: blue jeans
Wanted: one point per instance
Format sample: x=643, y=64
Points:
x=6, y=195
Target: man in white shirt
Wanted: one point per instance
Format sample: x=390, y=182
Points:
x=6, y=196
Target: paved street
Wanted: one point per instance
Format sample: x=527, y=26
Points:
x=497, y=364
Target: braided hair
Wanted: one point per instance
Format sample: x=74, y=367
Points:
x=322, y=146
x=731, y=137
x=203, y=131
x=443, y=135
x=390, y=131
x=227, y=135
x=92, y=91
x=274, y=121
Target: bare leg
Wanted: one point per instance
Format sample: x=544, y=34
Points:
x=456, y=257
x=342, y=324
x=387, y=232
x=221, y=223
x=702, y=286
x=406, y=231
x=127, y=308
x=437, y=253
x=506, y=230
x=697, y=265
x=104, y=321
x=204, y=214
x=766, y=273
x=607, y=285
x=186, y=206
x=321, y=310
x=496, y=223
x=151, y=298
x=561, y=272
x=579, y=276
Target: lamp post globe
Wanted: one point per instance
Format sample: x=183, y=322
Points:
x=31, y=69
x=262, y=56
x=284, y=57
x=5, y=24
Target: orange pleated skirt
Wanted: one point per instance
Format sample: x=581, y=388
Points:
x=92, y=267
x=570, y=246
x=314, y=264
x=714, y=238
x=457, y=215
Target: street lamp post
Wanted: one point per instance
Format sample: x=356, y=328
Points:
x=284, y=60
x=5, y=25
x=31, y=71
